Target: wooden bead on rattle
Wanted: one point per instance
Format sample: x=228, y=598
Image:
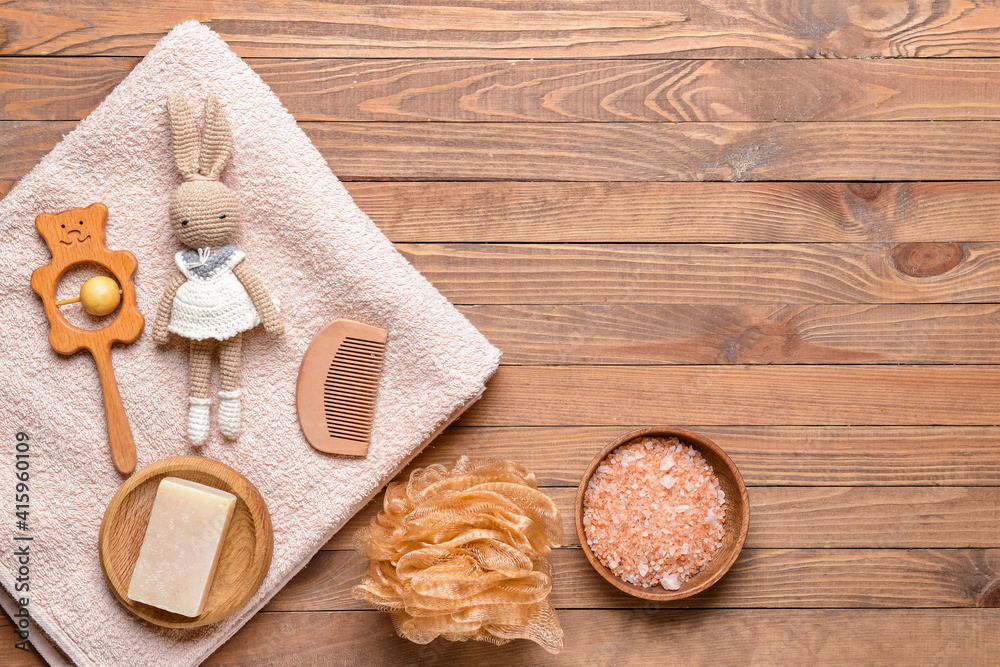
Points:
x=99, y=296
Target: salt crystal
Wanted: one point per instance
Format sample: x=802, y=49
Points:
x=668, y=481
x=643, y=569
x=670, y=582
x=667, y=463
x=682, y=508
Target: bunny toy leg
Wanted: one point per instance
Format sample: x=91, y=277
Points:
x=229, y=403
x=201, y=366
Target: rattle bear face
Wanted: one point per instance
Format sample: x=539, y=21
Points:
x=74, y=227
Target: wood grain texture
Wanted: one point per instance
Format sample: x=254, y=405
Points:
x=638, y=637
x=760, y=578
x=9, y=653
x=555, y=90
x=562, y=274
x=928, y=517
x=765, y=455
x=733, y=395
x=77, y=236
x=457, y=28
x=875, y=151
x=653, y=334
x=498, y=212
x=789, y=212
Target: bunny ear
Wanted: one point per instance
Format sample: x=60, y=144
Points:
x=216, y=140
x=185, y=133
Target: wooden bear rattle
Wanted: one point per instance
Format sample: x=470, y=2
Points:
x=74, y=237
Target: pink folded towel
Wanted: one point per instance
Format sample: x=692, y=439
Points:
x=319, y=254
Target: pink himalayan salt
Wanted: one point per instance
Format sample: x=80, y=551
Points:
x=653, y=512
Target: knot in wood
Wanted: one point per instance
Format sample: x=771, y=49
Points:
x=926, y=259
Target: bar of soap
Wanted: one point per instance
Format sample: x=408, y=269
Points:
x=180, y=552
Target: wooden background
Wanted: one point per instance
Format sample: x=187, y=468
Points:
x=773, y=223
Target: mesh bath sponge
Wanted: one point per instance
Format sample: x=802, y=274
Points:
x=459, y=552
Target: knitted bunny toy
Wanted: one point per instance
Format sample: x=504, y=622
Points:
x=215, y=297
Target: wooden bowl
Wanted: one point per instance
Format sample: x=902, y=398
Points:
x=246, y=553
x=734, y=526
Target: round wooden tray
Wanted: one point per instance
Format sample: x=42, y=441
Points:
x=246, y=553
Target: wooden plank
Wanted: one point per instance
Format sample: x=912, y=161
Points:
x=517, y=212
x=929, y=517
x=739, y=395
x=765, y=455
x=57, y=88
x=734, y=637
x=507, y=212
x=24, y=143
x=760, y=578
x=555, y=90
x=563, y=29
x=808, y=274
x=11, y=655
x=875, y=151
x=652, y=334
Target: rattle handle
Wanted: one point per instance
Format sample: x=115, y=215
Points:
x=119, y=432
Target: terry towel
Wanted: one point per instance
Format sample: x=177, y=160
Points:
x=319, y=254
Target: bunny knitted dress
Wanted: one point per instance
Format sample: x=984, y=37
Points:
x=213, y=302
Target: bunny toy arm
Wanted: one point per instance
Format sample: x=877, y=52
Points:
x=262, y=301
x=160, y=333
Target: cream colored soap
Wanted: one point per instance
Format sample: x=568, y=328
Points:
x=180, y=552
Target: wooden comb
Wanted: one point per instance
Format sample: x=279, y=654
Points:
x=337, y=385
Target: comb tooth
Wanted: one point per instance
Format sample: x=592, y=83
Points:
x=335, y=388
x=348, y=421
x=354, y=381
x=360, y=351
x=348, y=345
x=344, y=425
x=363, y=341
x=333, y=394
x=336, y=432
x=360, y=435
x=351, y=371
x=356, y=406
x=341, y=425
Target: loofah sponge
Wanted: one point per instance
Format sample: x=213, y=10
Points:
x=459, y=553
